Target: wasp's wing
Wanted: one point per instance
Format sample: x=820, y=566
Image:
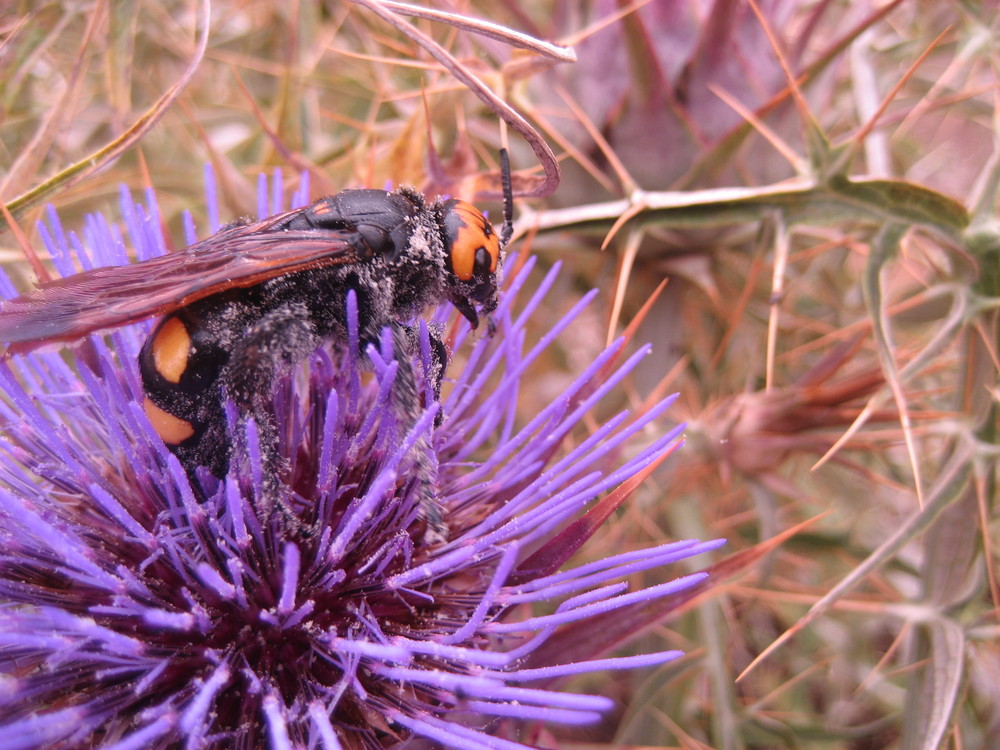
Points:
x=111, y=296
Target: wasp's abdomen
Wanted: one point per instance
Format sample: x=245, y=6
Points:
x=180, y=364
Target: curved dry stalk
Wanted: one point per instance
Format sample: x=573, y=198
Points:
x=487, y=29
x=91, y=163
x=546, y=157
x=29, y=160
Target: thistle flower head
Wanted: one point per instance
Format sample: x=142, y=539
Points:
x=138, y=614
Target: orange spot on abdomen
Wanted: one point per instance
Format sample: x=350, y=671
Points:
x=171, y=349
x=172, y=430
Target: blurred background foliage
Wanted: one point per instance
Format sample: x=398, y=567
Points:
x=829, y=322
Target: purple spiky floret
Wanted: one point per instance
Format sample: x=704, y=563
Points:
x=136, y=612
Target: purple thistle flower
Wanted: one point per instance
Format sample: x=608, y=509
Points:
x=134, y=616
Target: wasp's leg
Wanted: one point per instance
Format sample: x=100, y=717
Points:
x=407, y=348
x=409, y=405
x=439, y=362
x=281, y=339
x=436, y=367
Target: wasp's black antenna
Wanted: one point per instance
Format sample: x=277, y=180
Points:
x=507, y=230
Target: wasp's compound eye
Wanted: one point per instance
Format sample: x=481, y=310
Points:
x=473, y=246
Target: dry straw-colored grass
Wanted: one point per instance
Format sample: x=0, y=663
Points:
x=830, y=318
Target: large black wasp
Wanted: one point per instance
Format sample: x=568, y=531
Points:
x=255, y=298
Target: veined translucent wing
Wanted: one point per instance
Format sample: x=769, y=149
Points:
x=111, y=296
